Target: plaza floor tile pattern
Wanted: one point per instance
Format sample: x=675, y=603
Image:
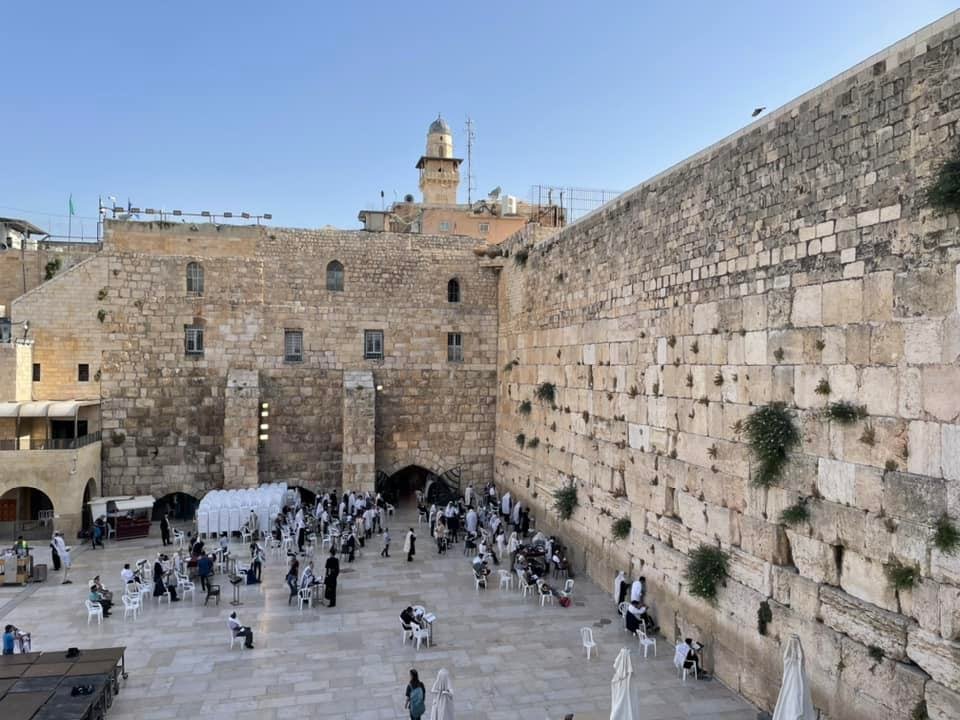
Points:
x=508, y=658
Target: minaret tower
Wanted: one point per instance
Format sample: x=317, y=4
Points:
x=439, y=169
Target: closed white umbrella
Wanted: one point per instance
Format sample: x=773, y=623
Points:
x=625, y=696
x=794, y=701
x=443, y=697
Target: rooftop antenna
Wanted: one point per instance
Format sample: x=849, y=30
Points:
x=471, y=136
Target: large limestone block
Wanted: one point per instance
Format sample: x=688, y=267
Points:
x=692, y=512
x=814, y=559
x=764, y=540
x=807, y=378
x=750, y=571
x=706, y=317
x=806, y=309
x=942, y=703
x=917, y=498
x=941, y=392
x=950, y=458
x=944, y=567
x=872, y=690
x=878, y=390
x=949, y=610
x=790, y=588
x=886, y=343
x=910, y=396
x=864, y=622
x=866, y=579
x=843, y=302
x=755, y=348
x=924, y=292
x=925, y=449
x=754, y=312
x=878, y=296
x=938, y=657
x=923, y=341
x=836, y=481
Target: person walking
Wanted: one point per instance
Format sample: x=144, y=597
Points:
x=410, y=545
x=205, y=571
x=165, y=530
x=386, y=543
x=332, y=568
x=442, y=691
x=64, y=552
x=54, y=555
x=293, y=578
x=416, y=694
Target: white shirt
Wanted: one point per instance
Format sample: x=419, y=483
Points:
x=299, y=520
x=126, y=575
x=505, y=504
x=472, y=521
x=636, y=591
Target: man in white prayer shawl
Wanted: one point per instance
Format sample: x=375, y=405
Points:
x=442, y=697
x=619, y=589
x=636, y=590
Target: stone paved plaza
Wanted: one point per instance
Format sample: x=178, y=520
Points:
x=508, y=658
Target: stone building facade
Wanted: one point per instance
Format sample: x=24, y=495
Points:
x=793, y=262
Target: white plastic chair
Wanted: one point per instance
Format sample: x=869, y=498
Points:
x=525, y=588
x=235, y=638
x=506, y=579
x=131, y=605
x=165, y=596
x=406, y=632
x=679, y=657
x=94, y=610
x=186, y=586
x=305, y=595
x=622, y=607
x=586, y=636
x=178, y=538
x=646, y=642
x=421, y=635
x=478, y=580
x=545, y=595
x=567, y=591
x=143, y=589
x=245, y=534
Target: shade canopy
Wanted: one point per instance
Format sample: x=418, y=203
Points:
x=44, y=408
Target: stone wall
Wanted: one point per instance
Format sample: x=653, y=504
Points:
x=794, y=263
x=23, y=271
x=359, y=430
x=169, y=408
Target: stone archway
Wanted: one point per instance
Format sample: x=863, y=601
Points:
x=181, y=505
x=89, y=492
x=28, y=511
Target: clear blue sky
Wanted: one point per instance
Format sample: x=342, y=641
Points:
x=308, y=109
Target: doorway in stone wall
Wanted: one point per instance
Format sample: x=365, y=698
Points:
x=25, y=511
x=86, y=516
x=181, y=506
x=401, y=487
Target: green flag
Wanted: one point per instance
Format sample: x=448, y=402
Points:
x=72, y=211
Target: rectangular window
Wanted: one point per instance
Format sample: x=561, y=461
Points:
x=454, y=347
x=444, y=226
x=194, y=279
x=36, y=372
x=484, y=228
x=83, y=372
x=193, y=339
x=373, y=344
x=293, y=345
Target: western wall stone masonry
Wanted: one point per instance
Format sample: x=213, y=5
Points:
x=796, y=252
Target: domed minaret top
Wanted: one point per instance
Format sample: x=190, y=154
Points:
x=439, y=169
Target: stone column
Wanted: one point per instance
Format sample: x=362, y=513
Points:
x=241, y=427
x=359, y=430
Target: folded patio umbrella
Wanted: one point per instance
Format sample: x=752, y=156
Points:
x=794, y=702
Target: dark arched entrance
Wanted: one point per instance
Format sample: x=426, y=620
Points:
x=307, y=497
x=181, y=506
x=86, y=517
x=26, y=511
x=401, y=487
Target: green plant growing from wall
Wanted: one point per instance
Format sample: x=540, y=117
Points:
x=820, y=344
x=869, y=436
x=718, y=378
x=796, y=513
x=633, y=392
x=946, y=536
x=533, y=442
x=919, y=711
x=875, y=652
x=900, y=576
x=520, y=257
x=586, y=416
x=51, y=269
x=764, y=617
x=525, y=408
x=511, y=365
x=547, y=392
x=943, y=193
x=621, y=528
x=845, y=413
x=102, y=294
x=778, y=354
x=565, y=500
x=823, y=387
x=695, y=347
x=706, y=571
x=689, y=381
x=672, y=340
x=890, y=465
x=101, y=314
x=521, y=439
x=771, y=435
x=118, y=437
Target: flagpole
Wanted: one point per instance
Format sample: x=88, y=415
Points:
x=70, y=220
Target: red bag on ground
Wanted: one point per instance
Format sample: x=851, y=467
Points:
x=564, y=602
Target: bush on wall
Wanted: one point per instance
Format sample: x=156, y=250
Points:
x=771, y=434
x=706, y=571
x=565, y=500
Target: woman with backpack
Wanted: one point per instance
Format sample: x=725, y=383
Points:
x=416, y=695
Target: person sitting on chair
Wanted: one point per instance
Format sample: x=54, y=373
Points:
x=308, y=579
x=96, y=597
x=692, y=661
x=240, y=631
x=409, y=618
x=638, y=617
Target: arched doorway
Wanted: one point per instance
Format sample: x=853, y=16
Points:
x=86, y=517
x=26, y=511
x=401, y=487
x=307, y=497
x=181, y=506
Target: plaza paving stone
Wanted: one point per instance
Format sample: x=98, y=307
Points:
x=508, y=658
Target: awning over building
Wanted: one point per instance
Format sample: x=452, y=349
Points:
x=139, y=502
x=44, y=408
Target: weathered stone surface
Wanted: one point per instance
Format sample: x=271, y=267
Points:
x=917, y=498
x=814, y=559
x=865, y=579
x=938, y=657
x=864, y=622
x=942, y=703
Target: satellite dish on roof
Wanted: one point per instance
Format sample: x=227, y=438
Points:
x=495, y=193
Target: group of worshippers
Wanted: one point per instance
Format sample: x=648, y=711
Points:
x=354, y=518
x=637, y=614
x=306, y=579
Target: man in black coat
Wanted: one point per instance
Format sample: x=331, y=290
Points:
x=165, y=529
x=330, y=581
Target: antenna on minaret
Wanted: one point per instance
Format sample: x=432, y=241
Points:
x=471, y=136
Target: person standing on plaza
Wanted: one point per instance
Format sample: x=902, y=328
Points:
x=301, y=526
x=205, y=571
x=332, y=568
x=64, y=554
x=410, y=545
x=386, y=543
x=54, y=555
x=416, y=694
x=165, y=530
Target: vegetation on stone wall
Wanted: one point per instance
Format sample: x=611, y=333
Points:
x=621, y=528
x=823, y=387
x=796, y=513
x=520, y=257
x=943, y=193
x=533, y=442
x=511, y=365
x=521, y=439
x=547, y=392
x=764, y=617
x=118, y=437
x=771, y=434
x=101, y=314
x=51, y=269
x=102, y=294
x=946, y=536
x=845, y=413
x=525, y=407
x=706, y=571
x=900, y=576
x=919, y=711
x=565, y=500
